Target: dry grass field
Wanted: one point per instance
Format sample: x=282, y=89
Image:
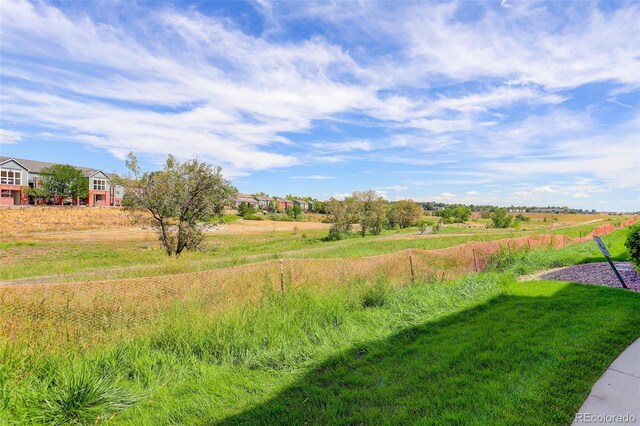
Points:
x=28, y=221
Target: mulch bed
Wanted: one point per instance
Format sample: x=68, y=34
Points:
x=595, y=273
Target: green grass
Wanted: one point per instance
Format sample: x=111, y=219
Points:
x=484, y=349
x=528, y=356
x=525, y=262
x=88, y=260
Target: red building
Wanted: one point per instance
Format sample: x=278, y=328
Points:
x=16, y=174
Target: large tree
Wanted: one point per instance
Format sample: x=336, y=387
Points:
x=371, y=210
x=64, y=180
x=405, y=213
x=343, y=214
x=175, y=199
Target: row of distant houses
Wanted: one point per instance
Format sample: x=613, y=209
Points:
x=19, y=173
x=265, y=203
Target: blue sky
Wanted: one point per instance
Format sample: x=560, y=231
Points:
x=503, y=102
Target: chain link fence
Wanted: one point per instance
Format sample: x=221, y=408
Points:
x=90, y=313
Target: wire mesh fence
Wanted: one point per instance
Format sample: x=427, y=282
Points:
x=89, y=313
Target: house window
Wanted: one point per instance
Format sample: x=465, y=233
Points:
x=9, y=177
x=99, y=184
x=5, y=193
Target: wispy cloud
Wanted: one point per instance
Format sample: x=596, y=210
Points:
x=313, y=177
x=511, y=91
x=9, y=136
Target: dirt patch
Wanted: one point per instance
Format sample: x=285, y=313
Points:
x=261, y=226
x=591, y=273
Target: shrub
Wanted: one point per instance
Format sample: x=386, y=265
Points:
x=334, y=235
x=436, y=227
x=633, y=244
x=423, y=224
x=500, y=218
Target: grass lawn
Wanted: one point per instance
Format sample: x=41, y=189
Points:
x=527, y=356
x=484, y=349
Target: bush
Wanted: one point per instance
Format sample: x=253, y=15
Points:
x=334, y=235
x=633, y=244
x=500, y=218
x=423, y=224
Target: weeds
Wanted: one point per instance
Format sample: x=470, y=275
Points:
x=78, y=396
x=377, y=295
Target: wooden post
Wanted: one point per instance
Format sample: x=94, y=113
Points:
x=413, y=278
x=282, y=277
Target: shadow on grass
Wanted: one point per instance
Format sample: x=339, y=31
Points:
x=529, y=357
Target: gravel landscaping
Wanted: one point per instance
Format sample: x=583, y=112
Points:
x=592, y=273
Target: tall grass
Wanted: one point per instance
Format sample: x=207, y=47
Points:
x=248, y=353
x=275, y=333
x=521, y=262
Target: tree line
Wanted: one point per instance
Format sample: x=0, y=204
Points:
x=371, y=212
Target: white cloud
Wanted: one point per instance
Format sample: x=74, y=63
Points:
x=346, y=146
x=580, y=195
x=313, y=177
x=342, y=196
x=444, y=196
x=216, y=92
x=472, y=193
x=545, y=190
x=396, y=188
x=447, y=92
x=9, y=136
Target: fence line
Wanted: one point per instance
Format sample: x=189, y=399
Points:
x=91, y=312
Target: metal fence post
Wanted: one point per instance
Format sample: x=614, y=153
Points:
x=413, y=278
x=475, y=263
x=282, y=277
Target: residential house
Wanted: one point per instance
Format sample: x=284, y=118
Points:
x=263, y=202
x=281, y=203
x=246, y=198
x=19, y=173
x=304, y=205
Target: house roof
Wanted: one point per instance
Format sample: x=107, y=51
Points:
x=301, y=201
x=262, y=198
x=37, y=166
x=245, y=198
x=281, y=200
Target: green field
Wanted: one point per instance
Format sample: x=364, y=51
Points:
x=68, y=260
x=483, y=349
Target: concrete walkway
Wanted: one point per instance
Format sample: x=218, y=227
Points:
x=615, y=398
